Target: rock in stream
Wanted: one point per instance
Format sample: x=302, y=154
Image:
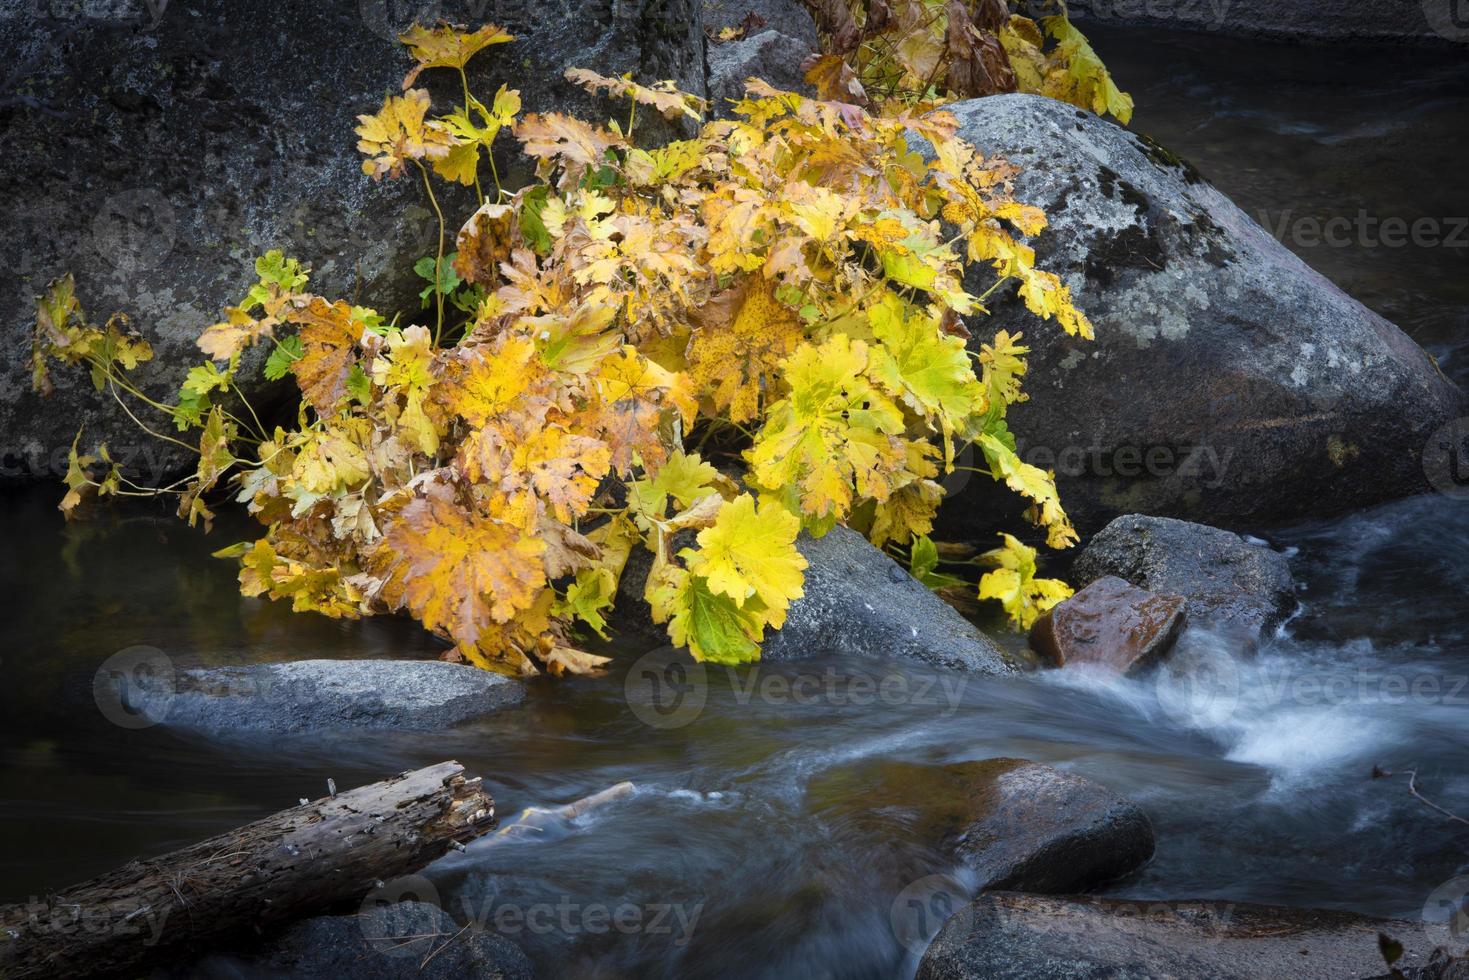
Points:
x=307, y=696
x=1005, y=936
x=1231, y=585
x=1228, y=381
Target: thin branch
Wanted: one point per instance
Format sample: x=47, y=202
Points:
x=1379, y=773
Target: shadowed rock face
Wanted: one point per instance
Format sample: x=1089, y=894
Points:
x=1407, y=21
x=1230, y=585
x=1004, y=936
x=1111, y=625
x=1228, y=381
x=385, y=942
x=156, y=153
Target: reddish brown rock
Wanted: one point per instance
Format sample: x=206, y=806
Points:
x=1109, y=624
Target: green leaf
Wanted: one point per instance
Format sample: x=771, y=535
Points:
x=278, y=364
x=448, y=279
x=532, y=225
x=923, y=563
x=359, y=386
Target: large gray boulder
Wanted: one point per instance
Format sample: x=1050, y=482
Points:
x=1231, y=585
x=1409, y=21
x=1228, y=381
x=1005, y=936
x=154, y=150
x=306, y=696
x=857, y=602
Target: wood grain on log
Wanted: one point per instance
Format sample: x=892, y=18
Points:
x=291, y=864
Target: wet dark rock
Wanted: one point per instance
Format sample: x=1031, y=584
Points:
x=1109, y=624
x=1003, y=936
x=1319, y=21
x=317, y=695
x=1441, y=965
x=857, y=602
x=1228, y=381
x=157, y=149
x=788, y=17
x=1231, y=585
x=780, y=34
x=1017, y=824
x=407, y=940
x=770, y=55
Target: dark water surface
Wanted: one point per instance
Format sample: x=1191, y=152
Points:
x=726, y=861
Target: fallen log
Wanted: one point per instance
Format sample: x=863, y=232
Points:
x=295, y=863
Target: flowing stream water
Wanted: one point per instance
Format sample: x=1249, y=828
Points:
x=733, y=857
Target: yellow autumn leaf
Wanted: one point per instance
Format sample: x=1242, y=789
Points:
x=1032, y=482
x=833, y=438
x=1014, y=585
x=398, y=133
x=740, y=336
x=444, y=46
x=750, y=553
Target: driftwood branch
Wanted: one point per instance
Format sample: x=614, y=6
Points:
x=292, y=864
x=1380, y=773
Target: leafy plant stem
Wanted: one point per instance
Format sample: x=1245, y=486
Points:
x=439, y=261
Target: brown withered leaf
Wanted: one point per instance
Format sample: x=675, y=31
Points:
x=834, y=79
x=834, y=18
x=978, y=65
x=456, y=571
x=486, y=240
x=328, y=351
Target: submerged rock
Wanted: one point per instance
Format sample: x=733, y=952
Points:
x=407, y=940
x=318, y=695
x=1231, y=586
x=1015, y=824
x=1109, y=624
x=857, y=602
x=1005, y=936
x=1228, y=381
x=159, y=148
